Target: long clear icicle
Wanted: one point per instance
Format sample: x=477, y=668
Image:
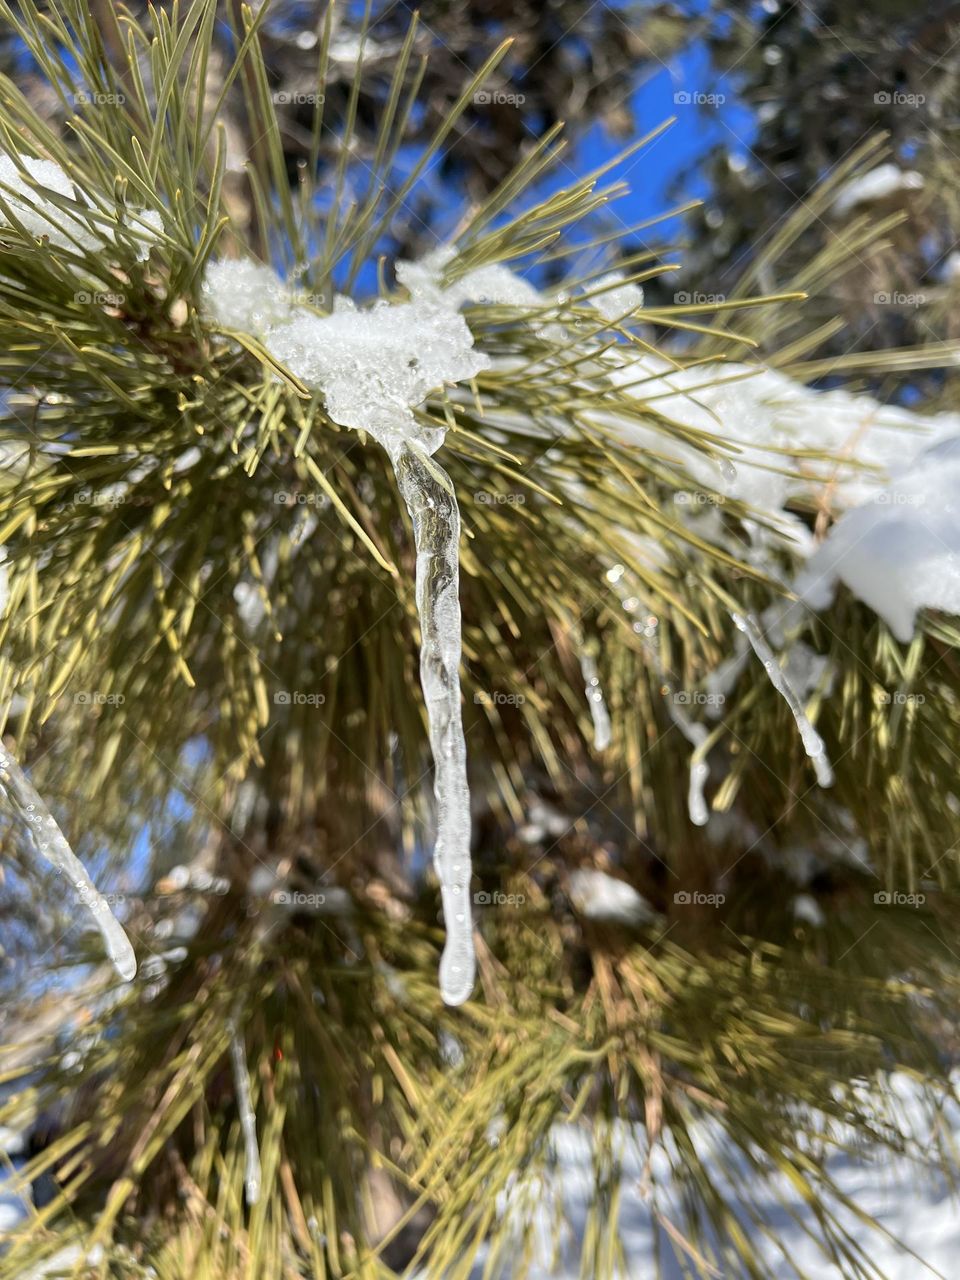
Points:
x=53, y=845
x=429, y=496
x=248, y=1117
x=596, y=702
x=813, y=744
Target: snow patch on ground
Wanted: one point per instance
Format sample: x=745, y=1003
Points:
x=911, y=1202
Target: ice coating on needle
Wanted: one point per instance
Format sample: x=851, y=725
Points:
x=812, y=742
x=248, y=1117
x=52, y=845
x=374, y=364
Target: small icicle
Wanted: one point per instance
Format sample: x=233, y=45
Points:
x=248, y=1118
x=431, y=501
x=52, y=844
x=812, y=742
x=696, y=735
x=596, y=702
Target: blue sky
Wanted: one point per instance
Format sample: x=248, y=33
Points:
x=706, y=113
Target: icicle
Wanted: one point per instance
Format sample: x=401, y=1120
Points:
x=431, y=501
x=812, y=742
x=696, y=735
x=595, y=699
x=248, y=1118
x=373, y=366
x=52, y=844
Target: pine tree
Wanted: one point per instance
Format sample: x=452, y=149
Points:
x=713, y=863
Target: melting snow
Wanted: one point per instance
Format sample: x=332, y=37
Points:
x=884, y=180
x=40, y=216
x=615, y=297
x=899, y=552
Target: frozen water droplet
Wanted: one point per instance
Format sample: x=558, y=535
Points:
x=602, y=731
x=696, y=804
